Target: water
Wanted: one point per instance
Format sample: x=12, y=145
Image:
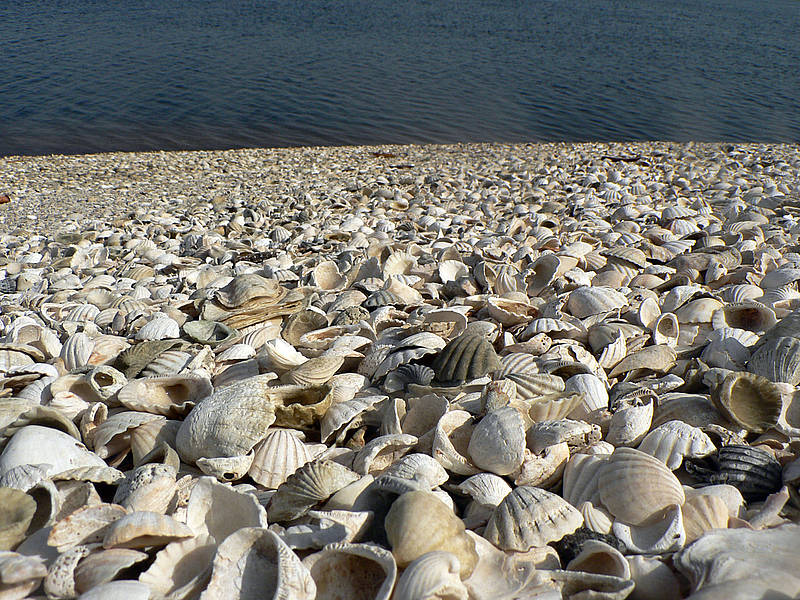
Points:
x=91, y=75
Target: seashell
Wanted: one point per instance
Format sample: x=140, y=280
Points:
x=421, y=468
x=581, y=479
x=34, y=444
x=131, y=590
x=217, y=510
x=283, y=356
x=182, y=568
x=602, y=559
x=211, y=333
x=19, y=574
x=497, y=443
x=311, y=484
x=326, y=276
x=170, y=396
x=142, y=529
x=244, y=288
x=666, y=330
x=76, y=351
x=418, y=523
x=315, y=371
x=654, y=580
x=159, y=328
x=659, y=359
x=545, y=434
x=278, y=456
x=510, y=312
x=662, y=532
x=702, y=513
x=149, y=436
x=345, y=570
x=630, y=473
x=169, y=362
x=226, y=468
x=451, y=442
x=17, y=513
x=553, y=407
x=592, y=391
x=302, y=322
x=465, y=357
x=595, y=518
x=737, y=555
x=132, y=361
x=530, y=517
x=340, y=417
x=631, y=422
x=255, y=562
x=432, y=575
x=754, y=472
x=86, y=525
x=749, y=400
x=648, y=312
x=399, y=379
x=101, y=567
x=674, y=440
x=112, y=437
x=751, y=316
x=148, y=488
x=777, y=359
x=587, y=301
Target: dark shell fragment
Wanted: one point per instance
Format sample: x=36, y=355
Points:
x=464, y=358
x=752, y=471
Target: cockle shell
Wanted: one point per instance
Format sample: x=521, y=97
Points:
x=674, y=440
x=630, y=423
x=529, y=517
x=345, y=570
x=255, y=562
x=217, y=510
x=666, y=330
x=598, y=557
x=630, y=473
x=418, y=523
x=315, y=371
x=150, y=487
x=753, y=471
x=777, y=359
x=278, y=456
x=142, y=529
x=182, y=568
x=311, y=484
x=749, y=400
x=432, y=575
x=702, y=513
x=19, y=574
x=103, y=566
x=212, y=333
x=587, y=301
x=581, y=479
x=465, y=357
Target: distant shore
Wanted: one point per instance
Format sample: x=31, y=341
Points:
x=48, y=194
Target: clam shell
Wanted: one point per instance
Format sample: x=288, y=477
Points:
x=278, y=456
x=315, y=371
x=283, y=356
x=311, y=484
x=451, y=442
x=659, y=359
x=150, y=487
x=432, y=575
x=211, y=333
x=777, y=359
x=587, y=301
x=170, y=396
x=256, y=562
x=418, y=523
x=703, y=513
x=749, y=400
x=87, y=525
x=530, y=517
x=34, y=444
x=345, y=570
x=217, y=510
x=598, y=557
x=383, y=451
x=182, y=568
x=497, y=443
x=630, y=473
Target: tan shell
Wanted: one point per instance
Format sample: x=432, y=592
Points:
x=86, y=525
x=630, y=473
x=101, y=567
x=315, y=371
x=382, y=452
x=749, y=400
x=345, y=570
x=434, y=575
x=311, y=484
x=553, y=406
x=674, y=440
x=283, y=356
x=19, y=574
x=171, y=395
x=218, y=510
x=662, y=532
x=17, y=510
x=581, y=479
x=451, y=441
x=418, y=523
x=142, y=529
x=226, y=468
x=255, y=562
x=600, y=558
x=150, y=487
x=630, y=424
x=529, y=517
x=702, y=513
x=659, y=359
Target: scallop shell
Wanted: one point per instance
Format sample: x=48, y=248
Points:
x=630, y=423
x=159, y=328
x=311, y=484
x=255, y=562
x=630, y=473
x=552, y=407
x=150, y=487
x=315, y=371
x=132, y=361
x=663, y=532
x=659, y=359
x=702, y=513
x=497, y=443
x=421, y=468
x=345, y=570
x=751, y=316
x=464, y=358
x=451, y=441
x=674, y=440
x=432, y=575
x=592, y=391
x=418, y=523
x=278, y=456
x=283, y=356
x=211, y=333
x=529, y=517
x=754, y=472
x=76, y=351
x=587, y=301
x=581, y=481
x=244, y=288
x=171, y=396
x=749, y=400
x=302, y=322
x=777, y=359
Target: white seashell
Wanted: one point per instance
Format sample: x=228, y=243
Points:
x=592, y=390
x=159, y=328
x=382, y=452
x=34, y=444
x=20, y=575
x=600, y=558
x=283, y=356
x=581, y=479
x=666, y=329
x=226, y=468
x=278, y=456
x=345, y=570
x=173, y=395
x=76, y=351
x=587, y=301
x=497, y=443
x=451, y=441
x=142, y=529
x=630, y=424
x=432, y=575
x=180, y=569
x=674, y=440
x=217, y=510
x=595, y=518
x=654, y=580
x=662, y=533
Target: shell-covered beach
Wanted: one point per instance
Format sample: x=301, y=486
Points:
x=472, y=371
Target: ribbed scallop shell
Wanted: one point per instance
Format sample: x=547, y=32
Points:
x=247, y=287
x=778, y=359
x=421, y=468
x=553, y=406
x=432, y=575
x=587, y=301
x=170, y=362
x=674, y=440
x=278, y=456
x=592, y=391
x=464, y=358
x=702, y=513
x=634, y=486
x=159, y=328
x=530, y=517
x=497, y=443
x=133, y=360
x=310, y=485
x=581, y=479
x=76, y=351
x=341, y=416
x=315, y=371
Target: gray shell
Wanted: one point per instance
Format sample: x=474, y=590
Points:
x=464, y=358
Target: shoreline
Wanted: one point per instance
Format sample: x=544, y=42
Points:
x=57, y=192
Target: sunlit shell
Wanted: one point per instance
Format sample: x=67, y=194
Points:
x=749, y=400
x=451, y=442
x=34, y=444
x=466, y=357
x=432, y=575
x=630, y=473
x=586, y=301
x=662, y=532
x=344, y=570
x=86, y=525
x=283, y=355
x=311, y=484
x=103, y=566
x=180, y=568
x=497, y=443
x=217, y=510
x=278, y=456
x=778, y=359
x=168, y=395
x=674, y=440
x=529, y=517
x=702, y=513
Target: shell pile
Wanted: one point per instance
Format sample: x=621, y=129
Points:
x=564, y=374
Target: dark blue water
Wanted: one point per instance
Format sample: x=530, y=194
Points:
x=89, y=76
